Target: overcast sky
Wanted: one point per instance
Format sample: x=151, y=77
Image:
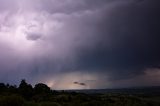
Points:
x=80, y=44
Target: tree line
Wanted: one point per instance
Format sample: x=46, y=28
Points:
x=26, y=90
x=42, y=95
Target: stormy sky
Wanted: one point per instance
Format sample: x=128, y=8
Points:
x=80, y=44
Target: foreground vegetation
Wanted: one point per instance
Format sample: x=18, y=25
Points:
x=42, y=95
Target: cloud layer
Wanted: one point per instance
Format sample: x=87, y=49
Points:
x=109, y=42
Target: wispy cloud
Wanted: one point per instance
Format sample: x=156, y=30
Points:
x=79, y=83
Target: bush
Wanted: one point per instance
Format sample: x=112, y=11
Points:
x=13, y=100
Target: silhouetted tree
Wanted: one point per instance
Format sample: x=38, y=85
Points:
x=41, y=88
x=7, y=85
x=25, y=89
x=12, y=89
x=2, y=87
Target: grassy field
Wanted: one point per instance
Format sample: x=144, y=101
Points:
x=79, y=99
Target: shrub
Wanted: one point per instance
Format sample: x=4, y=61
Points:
x=13, y=100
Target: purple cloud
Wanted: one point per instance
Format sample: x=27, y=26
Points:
x=96, y=41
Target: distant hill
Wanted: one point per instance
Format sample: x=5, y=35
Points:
x=151, y=90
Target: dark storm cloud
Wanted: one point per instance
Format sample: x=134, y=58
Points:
x=101, y=39
x=69, y=6
x=133, y=30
